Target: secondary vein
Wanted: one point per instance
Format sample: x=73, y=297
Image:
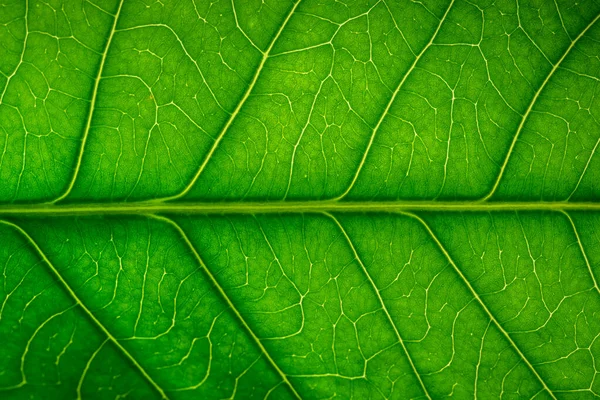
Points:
x=481, y=303
x=383, y=305
x=88, y=122
x=391, y=101
x=232, y=307
x=530, y=108
x=235, y=112
x=86, y=310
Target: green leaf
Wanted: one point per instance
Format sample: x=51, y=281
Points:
x=299, y=199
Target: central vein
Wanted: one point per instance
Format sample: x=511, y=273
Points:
x=315, y=206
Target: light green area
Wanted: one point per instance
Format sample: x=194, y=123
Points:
x=312, y=199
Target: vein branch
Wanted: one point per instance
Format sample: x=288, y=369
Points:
x=88, y=123
x=383, y=306
x=86, y=310
x=389, y=104
x=235, y=112
x=481, y=303
x=530, y=108
x=583, y=253
x=226, y=298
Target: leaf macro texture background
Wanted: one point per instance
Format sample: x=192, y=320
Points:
x=370, y=199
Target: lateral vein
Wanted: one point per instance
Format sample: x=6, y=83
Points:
x=481, y=303
x=530, y=108
x=385, y=310
x=86, y=310
x=389, y=104
x=583, y=253
x=235, y=112
x=226, y=298
x=88, y=123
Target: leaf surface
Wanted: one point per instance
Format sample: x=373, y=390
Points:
x=278, y=199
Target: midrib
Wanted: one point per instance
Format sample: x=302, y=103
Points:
x=283, y=207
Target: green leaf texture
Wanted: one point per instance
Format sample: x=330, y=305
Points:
x=316, y=199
